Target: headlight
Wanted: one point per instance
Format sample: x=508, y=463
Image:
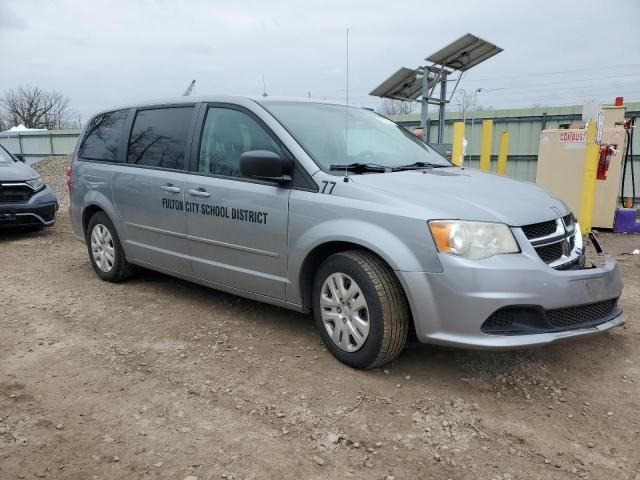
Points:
x=36, y=184
x=472, y=239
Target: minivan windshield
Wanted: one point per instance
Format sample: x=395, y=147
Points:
x=338, y=135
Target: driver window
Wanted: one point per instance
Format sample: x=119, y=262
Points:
x=226, y=135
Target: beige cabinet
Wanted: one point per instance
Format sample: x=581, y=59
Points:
x=561, y=161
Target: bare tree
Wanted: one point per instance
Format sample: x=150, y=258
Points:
x=395, y=107
x=465, y=100
x=3, y=123
x=35, y=108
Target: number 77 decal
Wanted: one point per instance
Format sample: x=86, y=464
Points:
x=329, y=184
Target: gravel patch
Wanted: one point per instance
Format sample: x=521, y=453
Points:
x=53, y=172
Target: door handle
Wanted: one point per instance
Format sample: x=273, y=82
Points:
x=170, y=188
x=199, y=193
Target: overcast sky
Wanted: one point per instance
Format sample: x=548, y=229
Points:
x=104, y=53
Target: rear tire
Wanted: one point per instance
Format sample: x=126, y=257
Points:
x=105, y=251
x=384, y=315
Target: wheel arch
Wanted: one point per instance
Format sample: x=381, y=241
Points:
x=88, y=212
x=95, y=201
x=319, y=254
x=99, y=203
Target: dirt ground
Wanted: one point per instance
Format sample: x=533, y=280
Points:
x=159, y=378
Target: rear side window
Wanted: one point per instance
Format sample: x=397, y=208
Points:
x=159, y=137
x=103, y=136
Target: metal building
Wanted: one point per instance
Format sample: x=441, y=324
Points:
x=39, y=144
x=524, y=127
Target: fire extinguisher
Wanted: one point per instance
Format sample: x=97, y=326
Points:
x=605, y=158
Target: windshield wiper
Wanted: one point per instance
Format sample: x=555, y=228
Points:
x=360, y=167
x=418, y=165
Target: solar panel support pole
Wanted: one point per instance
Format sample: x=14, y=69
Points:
x=459, y=56
x=443, y=102
x=424, y=113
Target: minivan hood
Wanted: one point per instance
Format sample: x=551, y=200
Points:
x=461, y=193
x=15, y=172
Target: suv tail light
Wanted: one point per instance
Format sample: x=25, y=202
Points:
x=69, y=184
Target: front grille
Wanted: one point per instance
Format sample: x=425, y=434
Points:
x=575, y=264
x=537, y=230
x=554, y=251
x=530, y=320
x=539, y=234
x=569, y=317
x=15, y=194
x=550, y=253
x=569, y=219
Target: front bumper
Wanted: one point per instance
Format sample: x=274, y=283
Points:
x=449, y=308
x=40, y=210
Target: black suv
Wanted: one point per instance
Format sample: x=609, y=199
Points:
x=25, y=201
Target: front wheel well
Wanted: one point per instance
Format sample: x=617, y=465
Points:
x=315, y=258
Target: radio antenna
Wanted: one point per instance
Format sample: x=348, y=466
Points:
x=346, y=118
x=264, y=86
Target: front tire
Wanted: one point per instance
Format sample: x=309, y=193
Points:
x=360, y=309
x=105, y=251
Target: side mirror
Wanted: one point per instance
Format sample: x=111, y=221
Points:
x=266, y=165
x=19, y=157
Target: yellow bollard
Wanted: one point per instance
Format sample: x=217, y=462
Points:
x=458, y=139
x=485, y=153
x=502, y=156
x=591, y=156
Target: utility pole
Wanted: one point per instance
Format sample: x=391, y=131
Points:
x=473, y=118
x=443, y=102
x=424, y=117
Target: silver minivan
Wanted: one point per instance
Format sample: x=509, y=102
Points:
x=338, y=211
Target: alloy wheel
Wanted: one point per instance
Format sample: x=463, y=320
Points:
x=344, y=312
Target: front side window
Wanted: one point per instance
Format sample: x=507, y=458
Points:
x=226, y=135
x=159, y=137
x=339, y=135
x=102, y=140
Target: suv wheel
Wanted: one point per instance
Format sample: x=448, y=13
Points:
x=105, y=252
x=360, y=309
